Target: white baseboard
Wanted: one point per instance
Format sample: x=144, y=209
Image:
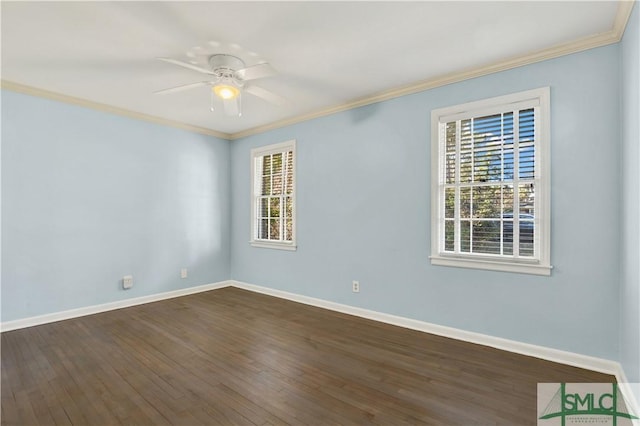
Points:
x=631, y=393
x=95, y=309
x=550, y=354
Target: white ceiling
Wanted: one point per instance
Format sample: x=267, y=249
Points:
x=326, y=53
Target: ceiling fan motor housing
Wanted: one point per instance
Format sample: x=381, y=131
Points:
x=225, y=65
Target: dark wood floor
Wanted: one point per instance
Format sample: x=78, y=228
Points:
x=230, y=356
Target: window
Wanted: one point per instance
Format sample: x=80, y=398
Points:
x=490, y=184
x=273, y=196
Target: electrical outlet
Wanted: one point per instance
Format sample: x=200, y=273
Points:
x=127, y=281
x=183, y=273
x=355, y=286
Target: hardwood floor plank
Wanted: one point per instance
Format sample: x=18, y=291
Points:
x=26, y=414
x=233, y=357
x=40, y=407
x=9, y=414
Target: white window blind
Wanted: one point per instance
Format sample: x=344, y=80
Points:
x=491, y=195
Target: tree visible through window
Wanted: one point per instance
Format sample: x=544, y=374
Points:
x=491, y=196
x=273, y=195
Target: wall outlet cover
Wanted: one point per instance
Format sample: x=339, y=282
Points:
x=127, y=281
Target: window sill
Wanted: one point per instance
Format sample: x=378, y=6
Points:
x=274, y=245
x=492, y=265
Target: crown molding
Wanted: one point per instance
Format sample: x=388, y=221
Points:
x=34, y=91
x=625, y=7
x=598, y=40
x=612, y=36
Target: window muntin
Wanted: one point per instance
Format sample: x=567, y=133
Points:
x=491, y=163
x=273, y=196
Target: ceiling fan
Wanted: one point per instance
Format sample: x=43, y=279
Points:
x=230, y=77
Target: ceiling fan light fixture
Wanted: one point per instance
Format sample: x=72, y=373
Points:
x=226, y=91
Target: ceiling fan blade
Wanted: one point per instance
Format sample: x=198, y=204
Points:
x=255, y=71
x=266, y=95
x=186, y=65
x=182, y=87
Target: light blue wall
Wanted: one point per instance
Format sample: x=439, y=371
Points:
x=364, y=213
x=89, y=197
x=630, y=276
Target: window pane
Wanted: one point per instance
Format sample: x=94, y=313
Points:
x=507, y=128
x=449, y=235
x=288, y=229
x=266, y=185
x=465, y=135
x=486, y=201
x=465, y=151
x=465, y=166
x=527, y=161
x=526, y=198
x=526, y=141
x=266, y=165
x=276, y=164
x=507, y=237
x=487, y=164
x=526, y=237
x=481, y=165
x=527, y=128
x=465, y=202
x=449, y=202
x=507, y=200
x=263, y=209
x=263, y=232
x=508, y=163
x=450, y=135
x=486, y=127
x=289, y=155
x=277, y=183
x=487, y=155
x=274, y=229
x=450, y=168
x=274, y=204
x=289, y=207
x=486, y=236
x=465, y=236
x=289, y=173
x=289, y=184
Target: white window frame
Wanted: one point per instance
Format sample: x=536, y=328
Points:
x=257, y=153
x=538, y=265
